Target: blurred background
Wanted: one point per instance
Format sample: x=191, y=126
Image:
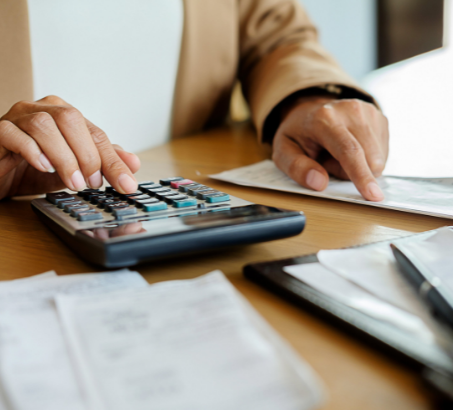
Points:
x=367, y=34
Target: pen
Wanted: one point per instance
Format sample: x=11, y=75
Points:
x=430, y=287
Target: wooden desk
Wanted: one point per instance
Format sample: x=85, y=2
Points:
x=356, y=377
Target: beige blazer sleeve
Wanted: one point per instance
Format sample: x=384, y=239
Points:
x=270, y=45
x=280, y=54
x=16, y=81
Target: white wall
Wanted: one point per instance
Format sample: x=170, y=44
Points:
x=348, y=30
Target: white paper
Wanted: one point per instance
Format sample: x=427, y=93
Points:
x=35, y=366
x=44, y=275
x=436, y=253
x=2, y=285
x=329, y=283
x=373, y=268
x=181, y=345
x=424, y=196
x=415, y=95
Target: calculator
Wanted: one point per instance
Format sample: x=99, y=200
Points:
x=167, y=218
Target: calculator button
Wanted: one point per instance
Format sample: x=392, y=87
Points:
x=68, y=206
x=170, y=199
x=133, y=199
x=125, y=196
x=193, y=191
x=144, y=188
x=204, y=194
x=185, y=203
x=57, y=197
x=88, y=196
x=140, y=202
x=117, y=205
x=82, y=193
x=185, y=188
x=75, y=211
x=217, y=198
x=91, y=215
x=63, y=203
x=102, y=203
x=124, y=211
x=159, y=206
x=157, y=191
x=163, y=195
x=109, y=189
x=95, y=200
x=145, y=183
x=168, y=181
x=176, y=184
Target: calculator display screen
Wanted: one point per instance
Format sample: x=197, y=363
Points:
x=166, y=225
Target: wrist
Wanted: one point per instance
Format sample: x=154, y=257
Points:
x=311, y=100
x=329, y=91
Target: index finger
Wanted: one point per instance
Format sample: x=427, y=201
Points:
x=345, y=148
x=114, y=169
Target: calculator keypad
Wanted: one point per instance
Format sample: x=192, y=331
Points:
x=176, y=193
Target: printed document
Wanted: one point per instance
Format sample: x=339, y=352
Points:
x=2, y=285
x=436, y=254
x=423, y=196
x=193, y=344
x=367, y=279
x=347, y=292
x=35, y=367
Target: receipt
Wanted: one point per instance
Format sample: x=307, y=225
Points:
x=35, y=366
x=191, y=344
x=436, y=254
x=424, y=196
x=372, y=268
x=4, y=284
x=348, y=293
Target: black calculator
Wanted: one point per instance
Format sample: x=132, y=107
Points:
x=169, y=217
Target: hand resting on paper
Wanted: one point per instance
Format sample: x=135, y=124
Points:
x=48, y=135
x=346, y=138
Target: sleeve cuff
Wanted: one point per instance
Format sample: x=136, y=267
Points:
x=272, y=121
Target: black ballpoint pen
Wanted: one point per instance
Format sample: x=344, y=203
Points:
x=430, y=287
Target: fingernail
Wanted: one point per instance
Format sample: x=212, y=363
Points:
x=375, y=192
x=95, y=180
x=46, y=163
x=316, y=180
x=127, y=184
x=78, y=183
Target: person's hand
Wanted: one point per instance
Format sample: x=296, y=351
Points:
x=322, y=135
x=48, y=144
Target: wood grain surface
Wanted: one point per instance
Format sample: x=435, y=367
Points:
x=355, y=376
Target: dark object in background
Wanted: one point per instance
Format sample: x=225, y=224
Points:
x=407, y=28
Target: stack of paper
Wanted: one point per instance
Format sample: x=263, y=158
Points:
x=367, y=279
x=423, y=196
x=110, y=341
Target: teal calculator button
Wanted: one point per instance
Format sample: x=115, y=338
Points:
x=159, y=206
x=185, y=203
x=217, y=198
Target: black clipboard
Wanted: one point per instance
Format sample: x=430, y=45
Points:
x=384, y=337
